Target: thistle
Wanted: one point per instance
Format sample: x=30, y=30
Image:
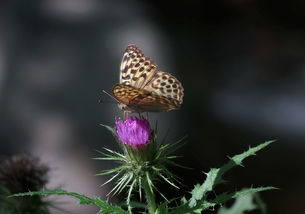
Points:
x=142, y=162
x=22, y=173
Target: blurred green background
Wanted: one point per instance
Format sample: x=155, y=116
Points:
x=242, y=64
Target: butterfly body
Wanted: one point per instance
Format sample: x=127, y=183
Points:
x=143, y=88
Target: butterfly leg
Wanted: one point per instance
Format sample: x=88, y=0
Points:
x=125, y=114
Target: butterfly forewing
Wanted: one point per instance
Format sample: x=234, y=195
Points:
x=136, y=69
x=126, y=93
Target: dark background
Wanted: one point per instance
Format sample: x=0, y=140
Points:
x=242, y=64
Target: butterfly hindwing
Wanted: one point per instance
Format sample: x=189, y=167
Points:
x=152, y=103
x=164, y=84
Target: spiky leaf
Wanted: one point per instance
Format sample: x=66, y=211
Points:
x=219, y=200
x=214, y=176
x=104, y=206
x=241, y=205
x=198, y=200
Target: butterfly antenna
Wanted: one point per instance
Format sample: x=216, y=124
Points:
x=110, y=96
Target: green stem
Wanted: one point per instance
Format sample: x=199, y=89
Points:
x=149, y=196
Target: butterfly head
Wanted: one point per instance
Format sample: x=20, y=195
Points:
x=123, y=107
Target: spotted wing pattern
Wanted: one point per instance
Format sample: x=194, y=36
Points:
x=126, y=93
x=136, y=69
x=143, y=88
x=164, y=84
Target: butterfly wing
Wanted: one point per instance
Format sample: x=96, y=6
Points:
x=136, y=69
x=125, y=93
x=153, y=103
x=139, y=100
x=166, y=85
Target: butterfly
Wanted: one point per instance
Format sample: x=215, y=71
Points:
x=143, y=88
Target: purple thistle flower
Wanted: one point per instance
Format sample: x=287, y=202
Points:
x=133, y=131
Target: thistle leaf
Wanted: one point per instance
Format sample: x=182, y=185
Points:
x=109, y=128
x=242, y=204
x=129, y=195
x=122, y=183
x=168, y=181
x=113, y=156
x=114, y=153
x=110, y=171
x=140, y=187
x=162, y=209
x=104, y=206
x=149, y=181
x=113, y=177
x=198, y=201
x=219, y=200
x=214, y=176
x=169, y=148
x=260, y=203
